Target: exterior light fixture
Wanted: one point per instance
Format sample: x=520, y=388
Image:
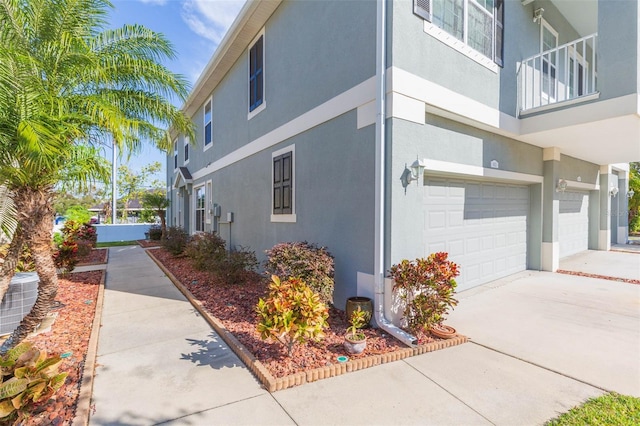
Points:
x=561, y=186
x=630, y=193
x=408, y=176
x=613, y=191
x=537, y=14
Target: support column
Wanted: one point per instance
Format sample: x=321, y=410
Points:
x=623, y=207
x=606, y=181
x=550, y=209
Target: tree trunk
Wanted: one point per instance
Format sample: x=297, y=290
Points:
x=163, y=224
x=11, y=261
x=35, y=216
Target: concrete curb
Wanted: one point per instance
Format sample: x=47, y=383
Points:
x=273, y=384
x=83, y=408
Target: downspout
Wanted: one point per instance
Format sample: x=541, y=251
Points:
x=380, y=163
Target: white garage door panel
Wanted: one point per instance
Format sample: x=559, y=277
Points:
x=483, y=227
x=573, y=223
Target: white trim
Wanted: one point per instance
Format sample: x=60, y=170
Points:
x=283, y=218
x=546, y=96
x=405, y=108
x=604, y=239
x=551, y=153
x=291, y=217
x=366, y=115
x=446, y=38
x=174, y=159
x=448, y=168
x=263, y=105
x=550, y=256
x=557, y=105
x=582, y=186
x=344, y=102
x=208, y=203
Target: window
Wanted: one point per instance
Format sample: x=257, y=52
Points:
x=476, y=23
x=175, y=155
x=186, y=150
x=199, y=209
x=208, y=130
x=283, y=183
x=256, y=74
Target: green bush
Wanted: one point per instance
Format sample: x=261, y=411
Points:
x=304, y=260
x=292, y=313
x=78, y=214
x=206, y=250
x=29, y=377
x=427, y=287
x=65, y=257
x=237, y=266
x=155, y=232
x=176, y=240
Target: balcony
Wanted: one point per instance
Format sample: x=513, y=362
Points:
x=558, y=77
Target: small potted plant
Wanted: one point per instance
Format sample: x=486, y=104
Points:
x=355, y=341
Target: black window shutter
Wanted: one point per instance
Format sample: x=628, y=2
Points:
x=422, y=8
x=499, y=35
x=283, y=184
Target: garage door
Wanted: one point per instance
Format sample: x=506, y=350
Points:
x=483, y=227
x=573, y=224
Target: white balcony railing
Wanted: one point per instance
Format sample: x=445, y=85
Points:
x=558, y=75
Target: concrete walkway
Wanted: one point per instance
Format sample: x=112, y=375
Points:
x=159, y=362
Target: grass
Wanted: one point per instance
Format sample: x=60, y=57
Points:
x=609, y=409
x=117, y=244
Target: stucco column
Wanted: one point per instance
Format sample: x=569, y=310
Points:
x=550, y=209
x=606, y=181
x=623, y=208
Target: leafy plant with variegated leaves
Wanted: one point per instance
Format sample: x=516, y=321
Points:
x=292, y=313
x=29, y=377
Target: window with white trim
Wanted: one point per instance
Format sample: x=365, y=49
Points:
x=186, y=150
x=477, y=23
x=549, y=41
x=256, y=74
x=208, y=128
x=200, y=201
x=175, y=155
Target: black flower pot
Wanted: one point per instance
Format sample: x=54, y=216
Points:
x=364, y=303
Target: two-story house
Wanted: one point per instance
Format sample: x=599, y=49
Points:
x=494, y=130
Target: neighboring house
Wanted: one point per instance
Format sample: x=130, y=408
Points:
x=523, y=114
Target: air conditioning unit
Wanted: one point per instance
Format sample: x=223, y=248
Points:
x=17, y=303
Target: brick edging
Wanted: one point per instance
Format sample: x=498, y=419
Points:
x=83, y=407
x=273, y=384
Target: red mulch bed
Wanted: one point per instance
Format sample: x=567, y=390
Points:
x=77, y=294
x=234, y=305
x=602, y=277
x=149, y=243
x=96, y=257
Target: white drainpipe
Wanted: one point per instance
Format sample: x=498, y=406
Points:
x=379, y=270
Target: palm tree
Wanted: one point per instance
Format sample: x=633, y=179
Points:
x=67, y=86
x=158, y=202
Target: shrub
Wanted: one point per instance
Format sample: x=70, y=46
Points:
x=66, y=256
x=304, y=260
x=155, y=232
x=292, y=313
x=427, y=287
x=29, y=377
x=236, y=264
x=176, y=240
x=206, y=250
x=87, y=234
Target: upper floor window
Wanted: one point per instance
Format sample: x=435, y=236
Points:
x=256, y=75
x=476, y=23
x=208, y=129
x=175, y=155
x=186, y=150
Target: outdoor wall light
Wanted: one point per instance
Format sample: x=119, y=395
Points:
x=408, y=176
x=537, y=14
x=630, y=193
x=613, y=191
x=562, y=185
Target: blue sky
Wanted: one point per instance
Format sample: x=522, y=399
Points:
x=194, y=27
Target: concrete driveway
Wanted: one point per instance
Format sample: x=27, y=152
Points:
x=584, y=328
x=608, y=263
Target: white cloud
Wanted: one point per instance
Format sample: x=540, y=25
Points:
x=210, y=18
